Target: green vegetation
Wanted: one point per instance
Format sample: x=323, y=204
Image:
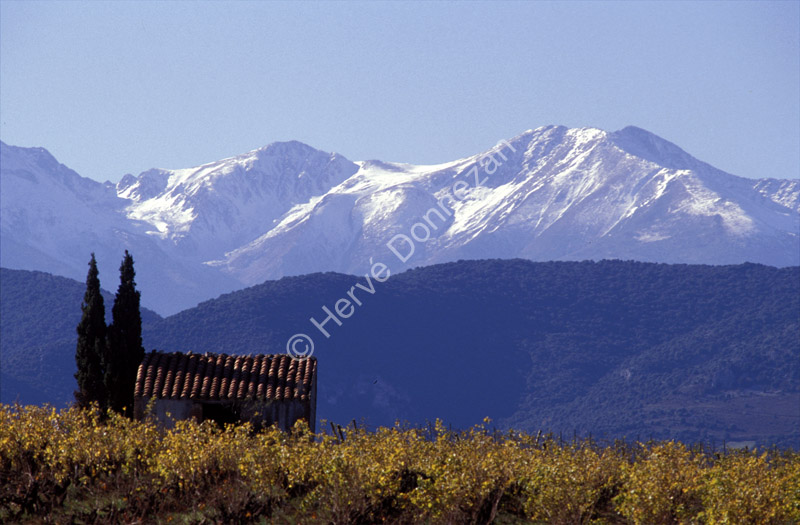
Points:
x=38, y=316
x=612, y=348
x=70, y=466
x=91, y=350
x=125, y=350
x=108, y=357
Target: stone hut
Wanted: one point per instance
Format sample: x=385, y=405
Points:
x=262, y=389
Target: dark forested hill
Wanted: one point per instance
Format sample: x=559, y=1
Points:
x=615, y=348
x=610, y=348
x=38, y=316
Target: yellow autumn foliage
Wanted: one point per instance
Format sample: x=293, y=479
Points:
x=76, y=466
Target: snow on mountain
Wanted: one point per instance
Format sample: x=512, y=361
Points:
x=46, y=208
x=52, y=219
x=785, y=192
x=205, y=211
x=552, y=193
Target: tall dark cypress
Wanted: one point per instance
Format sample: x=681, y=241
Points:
x=91, y=349
x=125, y=350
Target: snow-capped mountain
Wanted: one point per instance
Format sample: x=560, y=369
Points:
x=206, y=211
x=52, y=219
x=551, y=193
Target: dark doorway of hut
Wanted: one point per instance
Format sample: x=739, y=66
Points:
x=222, y=414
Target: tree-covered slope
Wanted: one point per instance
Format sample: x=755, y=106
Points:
x=38, y=316
x=614, y=348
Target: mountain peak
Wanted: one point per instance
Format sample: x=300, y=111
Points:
x=288, y=208
x=649, y=146
x=28, y=156
x=37, y=164
x=290, y=147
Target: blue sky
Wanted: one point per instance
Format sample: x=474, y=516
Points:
x=117, y=87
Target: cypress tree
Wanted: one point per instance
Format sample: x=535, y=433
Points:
x=91, y=348
x=125, y=351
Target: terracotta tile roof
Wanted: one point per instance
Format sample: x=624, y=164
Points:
x=220, y=376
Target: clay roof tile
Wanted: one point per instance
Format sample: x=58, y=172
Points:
x=221, y=376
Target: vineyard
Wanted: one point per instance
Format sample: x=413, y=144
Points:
x=73, y=466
